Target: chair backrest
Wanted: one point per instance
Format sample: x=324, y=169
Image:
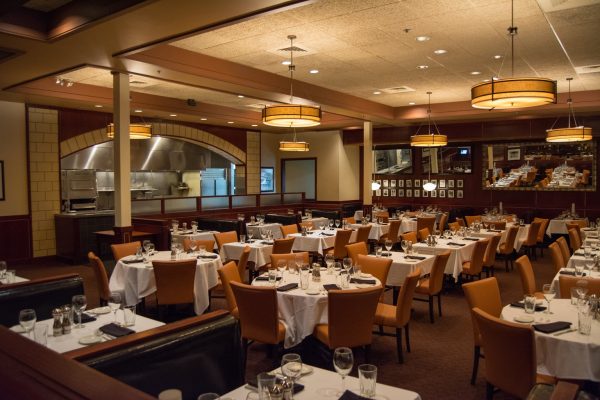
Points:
x=526, y=273
x=470, y=219
x=342, y=237
x=510, y=356
x=229, y=273
x=412, y=236
x=225, y=237
x=500, y=225
x=378, y=267
x=405, y=297
x=100, y=274
x=477, y=257
x=362, y=234
x=453, y=226
x=543, y=226
x=574, y=239
x=288, y=229
x=354, y=249
x=426, y=222
x=423, y=234
x=564, y=248
x=532, y=235
x=243, y=262
x=174, y=281
x=208, y=244
x=436, y=276
x=384, y=215
x=490, y=253
x=289, y=258
x=121, y=250
x=442, y=222
x=483, y=294
x=508, y=246
x=282, y=246
x=350, y=220
x=260, y=326
x=557, y=258
x=460, y=221
x=566, y=282
x=576, y=226
x=394, y=230
x=352, y=329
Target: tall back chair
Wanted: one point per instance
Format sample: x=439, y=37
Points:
x=461, y=221
x=208, y=244
x=398, y=316
x=423, y=234
x=566, y=282
x=282, y=246
x=242, y=263
x=510, y=356
x=541, y=233
x=384, y=215
x=307, y=225
x=225, y=237
x=483, y=294
x=432, y=286
x=442, y=222
x=289, y=258
x=474, y=267
x=288, y=229
x=121, y=250
x=229, y=273
x=378, y=267
x=354, y=249
x=342, y=237
x=362, y=234
x=564, y=249
x=453, y=226
x=411, y=236
x=576, y=226
x=557, y=258
x=101, y=277
x=507, y=248
x=426, y=222
x=498, y=225
x=470, y=219
x=574, y=240
x=392, y=233
x=527, y=276
x=349, y=220
x=530, y=242
x=489, y=259
x=174, y=282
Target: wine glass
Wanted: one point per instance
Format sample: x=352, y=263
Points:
x=151, y=248
x=404, y=245
x=114, y=302
x=343, y=360
x=27, y=319
x=589, y=264
x=145, y=244
x=250, y=235
x=79, y=304
x=581, y=288
x=193, y=246
x=337, y=223
x=388, y=246
x=347, y=262
x=329, y=260
x=330, y=224
x=2, y=269
x=549, y=294
x=291, y=367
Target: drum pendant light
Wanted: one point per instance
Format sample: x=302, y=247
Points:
x=136, y=131
x=432, y=138
x=573, y=133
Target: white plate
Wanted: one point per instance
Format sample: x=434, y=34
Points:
x=524, y=318
x=90, y=339
x=363, y=275
x=100, y=310
x=313, y=291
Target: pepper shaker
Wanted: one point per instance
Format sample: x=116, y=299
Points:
x=66, y=319
x=57, y=324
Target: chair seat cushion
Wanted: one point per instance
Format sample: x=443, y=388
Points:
x=280, y=332
x=385, y=315
x=321, y=332
x=423, y=287
x=236, y=313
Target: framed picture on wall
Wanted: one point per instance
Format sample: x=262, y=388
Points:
x=442, y=184
x=451, y=193
x=386, y=183
x=378, y=193
x=386, y=192
x=513, y=154
x=400, y=192
x=393, y=192
x=451, y=183
x=459, y=183
x=417, y=183
x=400, y=182
x=434, y=181
x=393, y=183
x=442, y=193
x=459, y=194
x=417, y=192
x=425, y=193
x=408, y=183
x=433, y=193
x=408, y=192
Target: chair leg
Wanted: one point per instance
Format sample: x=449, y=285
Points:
x=506, y=263
x=439, y=296
x=407, y=338
x=476, y=355
x=395, y=293
x=489, y=391
x=381, y=329
x=399, y=345
x=244, y=353
x=431, y=308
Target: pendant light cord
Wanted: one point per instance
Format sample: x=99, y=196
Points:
x=291, y=67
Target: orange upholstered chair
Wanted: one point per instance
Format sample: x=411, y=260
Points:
x=225, y=237
x=564, y=249
x=566, y=282
x=362, y=234
x=227, y=274
x=541, y=233
x=470, y=219
x=574, y=240
x=209, y=245
x=423, y=234
x=350, y=220
x=557, y=257
x=174, y=282
x=121, y=250
x=392, y=233
x=288, y=229
x=490, y=255
x=412, y=236
x=433, y=284
x=453, y=226
x=507, y=248
x=461, y=221
x=378, y=267
x=474, y=267
x=101, y=277
x=354, y=249
x=530, y=243
x=282, y=246
x=498, y=225
x=577, y=227
x=398, y=316
x=527, y=277
x=426, y=222
x=342, y=237
x=442, y=222
x=483, y=294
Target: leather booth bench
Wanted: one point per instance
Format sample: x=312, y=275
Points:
x=283, y=219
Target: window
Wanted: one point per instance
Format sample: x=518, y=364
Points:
x=267, y=179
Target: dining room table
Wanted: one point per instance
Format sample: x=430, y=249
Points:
x=258, y=229
x=135, y=277
x=317, y=241
x=565, y=354
x=519, y=239
x=260, y=251
x=461, y=250
x=408, y=224
x=377, y=229
x=189, y=234
x=558, y=226
x=403, y=264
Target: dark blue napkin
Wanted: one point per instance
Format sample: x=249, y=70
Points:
x=209, y=256
x=572, y=273
x=348, y=395
x=552, y=327
x=456, y=244
x=266, y=278
x=518, y=304
x=365, y=281
x=473, y=239
x=133, y=261
x=116, y=330
x=289, y=286
x=331, y=286
x=416, y=257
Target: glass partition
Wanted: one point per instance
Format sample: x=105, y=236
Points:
x=450, y=160
x=539, y=166
x=393, y=161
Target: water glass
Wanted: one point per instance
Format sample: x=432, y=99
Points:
x=79, y=302
x=27, y=319
x=585, y=319
x=574, y=296
x=209, y=396
x=170, y=394
x=378, y=251
x=272, y=274
x=40, y=333
x=10, y=275
x=304, y=275
x=266, y=384
x=367, y=376
x=128, y=315
x=529, y=304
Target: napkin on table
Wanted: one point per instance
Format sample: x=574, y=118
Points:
x=266, y=278
x=365, y=281
x=552, y=327
x=456, y=244
x=116, y=330
x=331, y=286
x=572, y=273
x=289, y=286
x=519, y=304
x=348, y=395
x=210, y=256
x=416, y=257
x=133, y=261
x=473, y=239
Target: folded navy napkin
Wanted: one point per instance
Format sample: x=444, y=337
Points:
x=495, y=230
x=473, y=239
x=455, y=244
x=327, y=234
x=572, y=273
x=386, y=254
x=252, y=224
x=209, y=256
x=85, y=318
x=416, y=257
x=267, y=242
x=348, y=395
x=133, y=261
x=331, y=286
x=266, y=278
x=116, y=330
x=521, y=305
x=365, y=281
x=552, y=327
x=289, y=286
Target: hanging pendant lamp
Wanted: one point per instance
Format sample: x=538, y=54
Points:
x=432, y=138
x=429, y=186
x=569, y=134
x=136, y=131
x=294, y=145
x=513, y=92
x=291, y=115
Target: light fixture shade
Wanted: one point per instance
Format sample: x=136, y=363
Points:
x=136, y=131
x=574, y=134
x=509, y=93
x=291, y=115
x=429, y=140
x=375, y=185
x=429, y=186
x=294, y=146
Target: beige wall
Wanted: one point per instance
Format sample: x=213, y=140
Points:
x=13, y=151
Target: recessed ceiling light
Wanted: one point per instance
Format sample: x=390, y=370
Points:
x=230, y=122
x=137, y=111
x=423, y=66
x=475, y=73
x=254, y=125
x=486, y=80
x=412, y=103
x=202, y=119
x=98, y=105
x=440, y=51
x=286, y=62
x=172, y=115
x=497, y=56
x=422, y=38
x=314, y=71
x=377, y=92
x=241, y=96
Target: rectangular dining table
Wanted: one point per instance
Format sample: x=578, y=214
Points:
x=256, y=228
x=377, y=230
x=260, y=251
x=558, y=226
x=317, y=241
x=519, y=239
x=459, y=253
x=403, y=265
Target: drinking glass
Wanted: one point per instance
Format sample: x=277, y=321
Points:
x=337, y=223
x=581, y=288
x=79, y=304
x=589, y=264
x=209, y=396
x=330, y=224
x=584, y=319
x=329, y=260
x=250, y=235
x=193, y=246
x=549, y=294
x=27, y=319
x=343, y=360
x=388, y=246
x=3, y=267
x=40, y=333
x=151, y=248
x=404, y=246
x=145, y=244
x=291, y=367
x=378, y=251
x=367, y=376
x=347, y=262
x=529, y=304
x=266, y=384
x=272, y=274
x=114, y=302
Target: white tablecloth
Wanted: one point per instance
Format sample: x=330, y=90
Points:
x=204, y=235
x=458, y=254
x=64, y=343
x=568, y=356
x=401, y=267
x=317, y=241
x=558, y=226
x=260, y=253
x=408, y=225
x=137, y=280
x=376, y=231
x=299, y=311
x=317, y=222
x=18, y=279
x=519, y=239
x=325, y=385
x=255, y=229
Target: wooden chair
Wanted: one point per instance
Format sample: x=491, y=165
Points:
x=101, y=277
x=209, y=245
x=423, y=234
x=490, y=255
x=227, y=274
x=242, y=263
x=342, y=238
x=350, y=220
x=557, y=258
x=527, y=277
x=384, y=215
x=564, y=249
x=574, y=240
x=362, y=234
x=442, y=222
x=498, y=225
x=354, y=249
x=453, y=226
x=263, y=326
x=283, y=246
x=121, y=250
x=398, y=316
x=378, y=267
x=471, y=219
x=412, y=236
x=426, y=222
x=392, y=233
x=485, y=295
x=225, y=237
x=566, y=282
x=174, y=282
x=507, y=248
x=541, y=233
x=349, y=329
x=474, y=267
x=432, y=285
x=530, y=243
x=288, y=229
x=510, y=355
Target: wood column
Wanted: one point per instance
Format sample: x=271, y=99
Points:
x=367, y=176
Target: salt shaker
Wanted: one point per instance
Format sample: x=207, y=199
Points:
x=57, y=324
x=316, y=272
x=287, y=387
x=66, y=319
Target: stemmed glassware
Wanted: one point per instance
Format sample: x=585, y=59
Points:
x=404, y=245
x=589, y=264
x=549, y=294
x=330, y=224
x=193, y=246
x=250, y=235
x=343, y=360
x=114, y=302
x=27, y=319
x=2, y=269
x=79, y=304
x=337, y=223
x=388, y=246
x=329, y=260
x=347, y=262
x=291, y=367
